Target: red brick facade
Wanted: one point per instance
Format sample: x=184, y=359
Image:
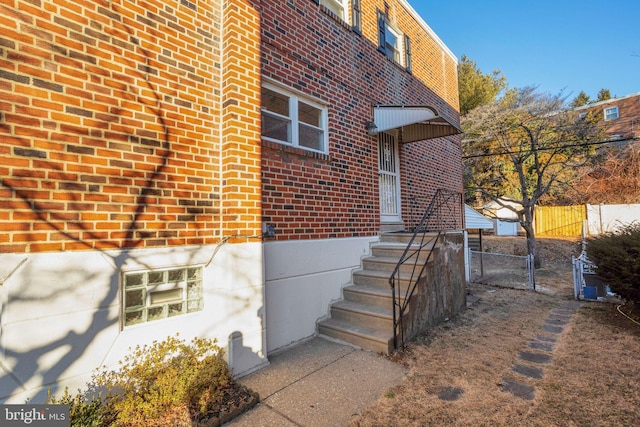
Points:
x=127, y=124
x=626, y=125
x=314, y=196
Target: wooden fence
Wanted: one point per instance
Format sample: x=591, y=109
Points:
x=560, y=221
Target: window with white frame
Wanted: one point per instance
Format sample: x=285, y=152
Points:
x=611, y=113
x=340, y=8
x=159, y=294
x=337, y=7
x=393, y=43
x=292, y=119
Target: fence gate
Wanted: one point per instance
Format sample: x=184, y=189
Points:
x=513, y=271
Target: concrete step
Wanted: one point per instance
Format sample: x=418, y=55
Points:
x=388, y=264
x=369, y=315
x=361, y=336
x=377, y=296
x=405, y=237
x=395, y=250
x=374, y=278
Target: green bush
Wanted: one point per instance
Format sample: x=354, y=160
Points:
x=84, y=411
x=617, y=256
x=170, y=383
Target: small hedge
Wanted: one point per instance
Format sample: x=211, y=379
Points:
x=617, y=256
x=170, y=383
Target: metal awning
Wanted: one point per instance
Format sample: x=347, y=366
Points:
x=418, y=122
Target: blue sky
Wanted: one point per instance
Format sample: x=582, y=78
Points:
x=560, y=45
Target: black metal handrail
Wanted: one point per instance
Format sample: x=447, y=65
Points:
x=443, y=213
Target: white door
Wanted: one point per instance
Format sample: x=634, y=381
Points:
x=389, y=180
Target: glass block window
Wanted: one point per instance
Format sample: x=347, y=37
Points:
x=159, y=294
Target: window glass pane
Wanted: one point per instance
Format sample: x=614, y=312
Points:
x=275, y=102
x=194, y=305
x=156, y=277
x=131, y=280
x=161, y=297
x=611, y=113
x=133, y=317
x=193, y=273
x=155, y=313
x=309, y=114
x=134, y=298
x=176, y=275
x=311, y=137
x=276, y=128
x=175, y=309
x=193, y=290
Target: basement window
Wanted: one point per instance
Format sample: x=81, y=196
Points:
x=160, y=294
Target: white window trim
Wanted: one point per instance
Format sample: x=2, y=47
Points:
x=608, y=117
x=294, y=98
x=337, y=4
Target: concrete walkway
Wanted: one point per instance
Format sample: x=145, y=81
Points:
x=318, y=383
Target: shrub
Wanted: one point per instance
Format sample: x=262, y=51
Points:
x=169, y=383
x=617, y=256
x=84, y=411
x=166, y=383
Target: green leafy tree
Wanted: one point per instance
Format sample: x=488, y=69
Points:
x=604, y=95
x=476, y=88
x=522, y=147
x=581, y=100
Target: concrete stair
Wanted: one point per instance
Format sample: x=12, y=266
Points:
x=364, y=316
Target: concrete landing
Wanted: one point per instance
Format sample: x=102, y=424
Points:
x=318, y=383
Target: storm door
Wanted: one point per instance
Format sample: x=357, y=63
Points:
x=389, y=178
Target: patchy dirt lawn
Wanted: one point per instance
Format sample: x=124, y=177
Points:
x=457, y=370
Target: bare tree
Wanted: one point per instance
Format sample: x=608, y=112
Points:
x=522, y=147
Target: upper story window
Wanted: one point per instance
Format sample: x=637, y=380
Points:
x=341, y=8
x=291, y=119
x=611, y=113
x=393, y=43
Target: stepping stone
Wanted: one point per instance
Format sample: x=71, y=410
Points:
x=450, y=393
x=556, y=321
x=552, y=329
x=528, y=371
x=545, y=338
x=518, y=389
x=535, y=357
x=541, y=345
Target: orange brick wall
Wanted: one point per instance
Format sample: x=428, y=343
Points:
x=313, y=196
x=116, y=130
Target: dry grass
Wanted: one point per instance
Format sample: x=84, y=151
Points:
x=593, y=379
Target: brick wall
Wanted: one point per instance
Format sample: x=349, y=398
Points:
x=111, y=124
x=307, y=196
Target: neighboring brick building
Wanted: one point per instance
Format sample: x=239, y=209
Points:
x=136, y=186
x=620, y=117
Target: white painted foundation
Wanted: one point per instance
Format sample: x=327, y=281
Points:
x=302, y=278
x=61, y=313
